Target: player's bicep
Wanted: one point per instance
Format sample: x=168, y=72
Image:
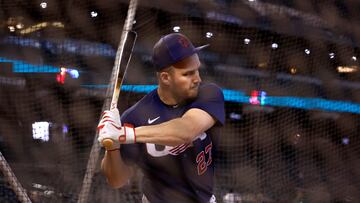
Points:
x=199, y=120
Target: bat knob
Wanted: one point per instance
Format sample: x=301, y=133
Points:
x=107, y=143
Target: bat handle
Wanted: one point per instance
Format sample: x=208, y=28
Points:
x=107, y=143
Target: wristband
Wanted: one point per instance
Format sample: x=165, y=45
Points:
x=129, y=136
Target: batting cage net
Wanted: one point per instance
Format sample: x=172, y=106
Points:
x=289, y=72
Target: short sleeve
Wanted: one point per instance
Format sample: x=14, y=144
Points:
x=211, y=100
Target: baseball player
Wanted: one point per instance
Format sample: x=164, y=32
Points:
x=167, y=134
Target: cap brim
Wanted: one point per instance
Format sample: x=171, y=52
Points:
x=201, y=47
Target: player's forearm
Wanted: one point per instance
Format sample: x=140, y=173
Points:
x=115, y=170
x=172, y=133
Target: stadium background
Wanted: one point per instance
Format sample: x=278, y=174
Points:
x=289, y=70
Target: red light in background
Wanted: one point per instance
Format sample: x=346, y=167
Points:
x=60, y=77
x=254, y=98
x=256, y=95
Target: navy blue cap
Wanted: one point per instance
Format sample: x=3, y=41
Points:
x=171, y=49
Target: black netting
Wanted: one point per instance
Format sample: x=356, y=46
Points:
x=289, y=71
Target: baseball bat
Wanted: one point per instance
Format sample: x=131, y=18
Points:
x=128, y=47
x=122, y=59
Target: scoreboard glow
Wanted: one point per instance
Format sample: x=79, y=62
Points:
x=257, y=97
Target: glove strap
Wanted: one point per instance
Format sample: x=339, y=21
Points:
x=129, y=136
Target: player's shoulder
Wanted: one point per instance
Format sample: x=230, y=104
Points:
x=211, y=86
x=139, y=106
x=210, y=89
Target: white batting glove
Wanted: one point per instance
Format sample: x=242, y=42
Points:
x=110, y=128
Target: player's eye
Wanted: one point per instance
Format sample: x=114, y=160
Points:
x=189, y=73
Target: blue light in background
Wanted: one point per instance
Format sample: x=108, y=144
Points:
x=235, y=96
x=230, y=95
x=22, y=67
x=73, y=73
x=240, y=97
x=345, y=140
x=262, y=98
x=314, y=103
x=98, y=86
x=63, y=46
x=65, y=129
x=235, y=116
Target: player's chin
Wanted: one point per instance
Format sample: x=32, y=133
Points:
x=193, y=93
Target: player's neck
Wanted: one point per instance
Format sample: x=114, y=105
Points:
x=166, y=97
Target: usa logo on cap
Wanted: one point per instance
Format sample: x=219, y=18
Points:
x=184, y=42
x=171, y=49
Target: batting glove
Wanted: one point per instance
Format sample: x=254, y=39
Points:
x=110, y=128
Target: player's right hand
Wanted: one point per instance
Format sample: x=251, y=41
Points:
x=110, y=128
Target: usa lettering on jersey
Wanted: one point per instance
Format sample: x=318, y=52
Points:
x=168, y=150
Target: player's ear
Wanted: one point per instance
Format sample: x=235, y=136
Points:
x=164, y=77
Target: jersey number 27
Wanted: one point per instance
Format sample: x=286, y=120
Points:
x=202, y=164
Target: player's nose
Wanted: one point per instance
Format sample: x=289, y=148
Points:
x=197, y=78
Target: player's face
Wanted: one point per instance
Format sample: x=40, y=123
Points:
x=185, y=78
